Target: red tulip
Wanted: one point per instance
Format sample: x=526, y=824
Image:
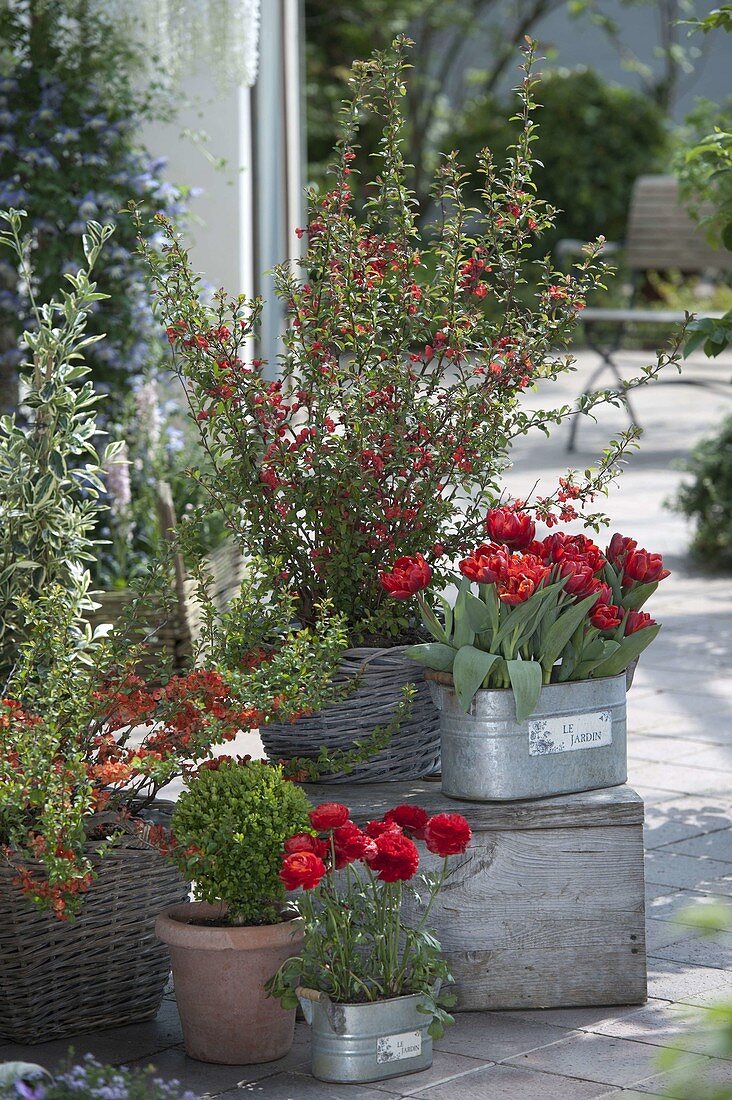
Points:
x=510, y=527
x=408, y=576
x=643, y=568
x=485, y=565
x=637, y=620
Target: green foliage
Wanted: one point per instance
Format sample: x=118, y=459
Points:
x=594, y=139
x=50, y=471
x=707, y=498
x=230, y=825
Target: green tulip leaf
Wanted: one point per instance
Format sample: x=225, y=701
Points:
x=526, y=681
x=463, y=634
x=478, y=614
x=634, y=600
x=562, y=629
x=469, y=671
x=433, y=654
x=629, y=649
x=448, y=615
x=432, y=623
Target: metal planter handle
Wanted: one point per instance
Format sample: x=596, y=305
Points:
x=306, y=997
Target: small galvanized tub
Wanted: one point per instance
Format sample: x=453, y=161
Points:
x=574, y=741
x=366, y=1042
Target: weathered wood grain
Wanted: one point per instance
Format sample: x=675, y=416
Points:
x=609, y=807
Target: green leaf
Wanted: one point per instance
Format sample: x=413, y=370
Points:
x=469, y=671
x=563, y=628
x=637, y=596
x=432, y=623
x=526, y=680
x=463, y=634
x=448, y=615
x=433, y=654
x=478, y=614
x=630, y=648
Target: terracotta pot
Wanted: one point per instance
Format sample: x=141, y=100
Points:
x=219, y=975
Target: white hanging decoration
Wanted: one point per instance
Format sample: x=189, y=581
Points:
x=221, y=36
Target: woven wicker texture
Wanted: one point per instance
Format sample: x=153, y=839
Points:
x=414, y=750
x=102, y=970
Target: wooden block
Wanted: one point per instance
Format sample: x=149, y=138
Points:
x=546, y=909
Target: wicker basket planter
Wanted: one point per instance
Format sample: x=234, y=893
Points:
x=102, y=970
x=414, y=750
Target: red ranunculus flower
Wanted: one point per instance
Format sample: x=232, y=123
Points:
x=302, y=869
x=619, y=547
x=606, y=616
x=637, y=620
x=447, y=834
x=522, y=577
x=410, y=818
x=396, y=858
x=351, y=844
x=376, y=828
x=643, y=568
x=485, y=565
x=329, y=815
x=408, y=575
x=305, y=842
x=512, y=528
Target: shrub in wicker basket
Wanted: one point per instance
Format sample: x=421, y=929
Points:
x=398, y=396
x=230, y=826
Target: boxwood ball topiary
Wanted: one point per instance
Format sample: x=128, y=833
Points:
x=229, y=827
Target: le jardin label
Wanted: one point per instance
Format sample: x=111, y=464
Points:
x=570, y=732
x=392, y=1048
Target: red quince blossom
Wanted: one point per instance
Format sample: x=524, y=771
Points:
x=412, y=819
x=302, y=869
x=329, y=815
x=447, y=834
x=510, y=527
x=637, y=620
x=396, y=858
x=408, y=576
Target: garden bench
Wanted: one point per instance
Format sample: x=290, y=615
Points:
x=661, y=237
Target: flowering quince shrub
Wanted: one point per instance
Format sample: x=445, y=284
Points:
x=229, y=827
x=398, y=397
x=546, y=611
x=358, y=945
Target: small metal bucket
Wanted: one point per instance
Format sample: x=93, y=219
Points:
x=366, y=1042
x=574, y=741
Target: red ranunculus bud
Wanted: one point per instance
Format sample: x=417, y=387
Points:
x=376, y=828
x=637, y=620
x=606, y=616
x=512, y=528
x=302, y=869
x=643, y=568
x=305, y=842
x=485, y=565
x=447, y=834
x=329, y=815
x=410, y=818
x=396, y=858
x=408, y=576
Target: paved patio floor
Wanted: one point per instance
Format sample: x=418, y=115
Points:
x=680, y=727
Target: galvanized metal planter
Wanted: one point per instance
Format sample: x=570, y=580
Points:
x=366, y=1042
x=574, y=741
